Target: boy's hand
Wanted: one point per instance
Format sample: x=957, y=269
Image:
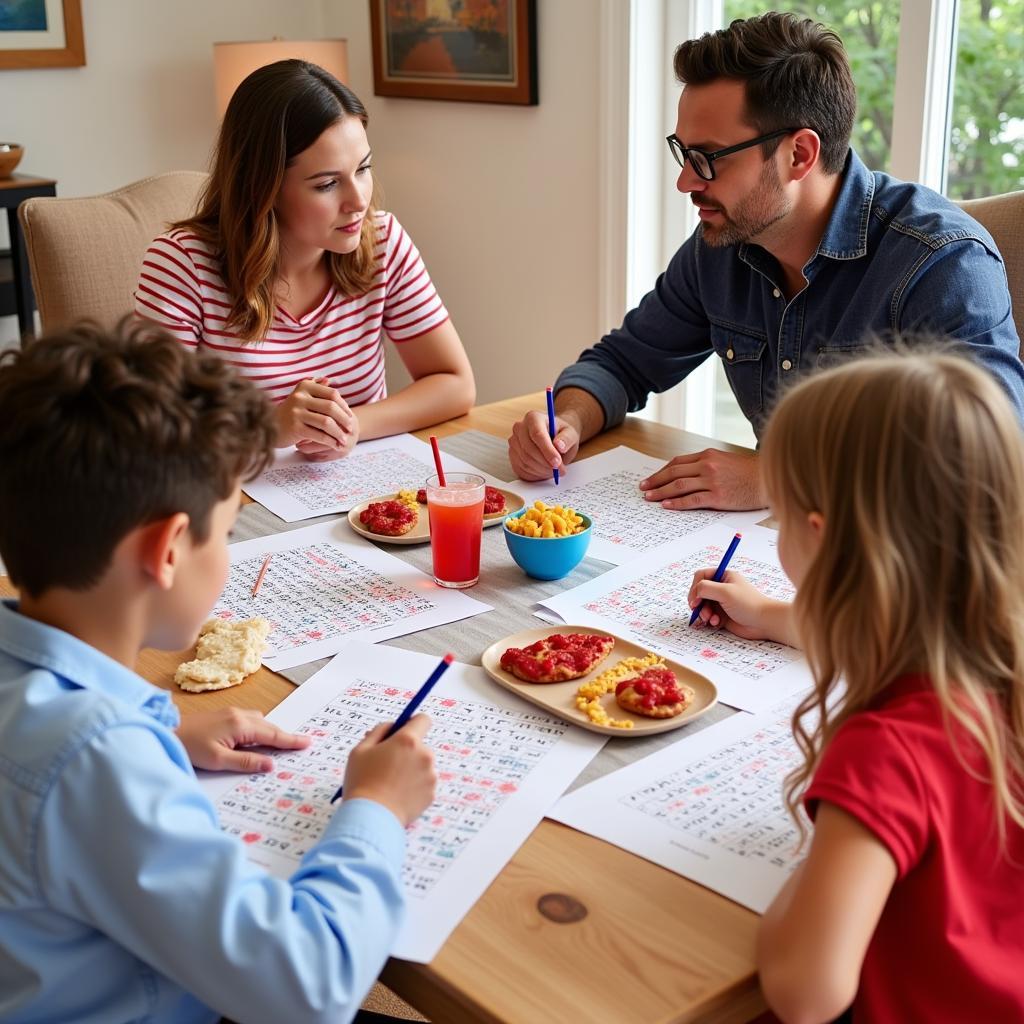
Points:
x=734, y=604
x=212, y=739
x=397, y=773
x=315, y=412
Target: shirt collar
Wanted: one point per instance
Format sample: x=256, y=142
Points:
x=74, y=660
x=846, y=236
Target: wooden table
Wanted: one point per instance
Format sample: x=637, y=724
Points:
x=13, y=192
x=653, y=947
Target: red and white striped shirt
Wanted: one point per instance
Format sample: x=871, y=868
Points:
x=181, y=289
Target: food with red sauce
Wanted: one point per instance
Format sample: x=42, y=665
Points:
x=558, y=657
x=389, y=518
x=655, y=693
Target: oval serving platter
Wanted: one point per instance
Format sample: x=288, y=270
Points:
x=560, y=698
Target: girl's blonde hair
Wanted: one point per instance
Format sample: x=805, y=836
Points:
x=276, y=113
x=915, y=461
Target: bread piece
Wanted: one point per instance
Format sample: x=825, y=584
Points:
x=654, y=693
x=557, y=657
x=226, y=653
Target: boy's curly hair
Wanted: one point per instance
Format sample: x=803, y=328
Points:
x=104, y=431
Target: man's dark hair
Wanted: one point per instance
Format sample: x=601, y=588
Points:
x=103, y=431
x=796, y=72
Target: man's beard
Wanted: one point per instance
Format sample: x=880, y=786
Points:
x=764, y=206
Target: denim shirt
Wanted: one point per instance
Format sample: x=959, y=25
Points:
x=120, y=897
x=895, y=256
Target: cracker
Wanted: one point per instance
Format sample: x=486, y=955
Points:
x=226, y=653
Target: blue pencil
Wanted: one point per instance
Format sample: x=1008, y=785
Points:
x=719, y=572
x=410, y=709
x=551, y=427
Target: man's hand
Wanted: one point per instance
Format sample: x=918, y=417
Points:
x=212, y=739
x=708, y=479
x=314, y=414
x=397, y=772
x=532, y=451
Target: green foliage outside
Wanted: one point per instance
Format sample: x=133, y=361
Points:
x=986, y=152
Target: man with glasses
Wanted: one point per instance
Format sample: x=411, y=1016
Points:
x=803, y=257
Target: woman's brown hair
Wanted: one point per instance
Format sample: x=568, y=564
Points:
x=275, y=114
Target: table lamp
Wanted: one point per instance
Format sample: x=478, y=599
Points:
x=233, y=62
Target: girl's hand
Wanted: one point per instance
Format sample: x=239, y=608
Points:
x=212, y=739
x=734, y=604
x=315, y=413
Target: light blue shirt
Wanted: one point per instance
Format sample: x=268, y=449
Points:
x=120, y=897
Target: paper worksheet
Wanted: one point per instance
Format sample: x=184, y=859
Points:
x=709, y=807
x=325, y=586
x=295, y=489
x=604, y=487
x=645, y=601
x=501, y=763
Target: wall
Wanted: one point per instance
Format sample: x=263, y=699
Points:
x=143, y=103
x=502, y=201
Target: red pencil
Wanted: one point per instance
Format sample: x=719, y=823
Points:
x=263, y=571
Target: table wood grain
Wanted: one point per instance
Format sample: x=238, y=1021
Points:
x=652, y=948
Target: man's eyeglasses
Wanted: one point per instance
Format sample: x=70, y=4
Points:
x=703, y=163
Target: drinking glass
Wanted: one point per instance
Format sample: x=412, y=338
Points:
x=456, y=514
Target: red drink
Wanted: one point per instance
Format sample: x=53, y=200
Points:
x=456, y=525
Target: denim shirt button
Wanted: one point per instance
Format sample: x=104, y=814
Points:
x=776, y=294
x=729, y=354
x=786, y=364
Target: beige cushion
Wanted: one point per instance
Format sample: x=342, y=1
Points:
x=85, y=254
x=1003, y=217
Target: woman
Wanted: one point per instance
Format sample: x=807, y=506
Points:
x=290, y=273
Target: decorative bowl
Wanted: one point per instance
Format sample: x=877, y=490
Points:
x=10, y=156
x=547, y=558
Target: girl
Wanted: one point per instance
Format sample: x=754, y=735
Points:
x=290, y=273
x=898, y=486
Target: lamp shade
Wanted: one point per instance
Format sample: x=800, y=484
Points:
x=233, y=62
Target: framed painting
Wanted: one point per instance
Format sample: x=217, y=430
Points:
x=41, y=34
x=481, y=51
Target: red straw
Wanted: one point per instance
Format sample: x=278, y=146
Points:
x=437, y=460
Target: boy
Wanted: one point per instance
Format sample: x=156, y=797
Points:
x=120, y=898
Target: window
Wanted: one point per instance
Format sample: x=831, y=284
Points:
x=986, y=138
x=870, y=32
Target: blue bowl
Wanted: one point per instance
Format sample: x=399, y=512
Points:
x=547, y=558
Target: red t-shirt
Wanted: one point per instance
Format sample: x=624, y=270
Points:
x=949, y=945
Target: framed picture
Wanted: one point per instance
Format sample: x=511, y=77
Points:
x=41, y=34
x=482, y=51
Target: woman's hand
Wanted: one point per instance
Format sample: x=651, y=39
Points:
x=739, y=607
x=213, y=738
x=314, y=414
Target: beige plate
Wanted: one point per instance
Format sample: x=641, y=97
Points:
x=420, y=533
x=560, y=698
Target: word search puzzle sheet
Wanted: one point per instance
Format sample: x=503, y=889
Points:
x=605, y=487
x=709, y=808
x=646, y=601
x=500, y=764
x=325, y=586
x=294, y=488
